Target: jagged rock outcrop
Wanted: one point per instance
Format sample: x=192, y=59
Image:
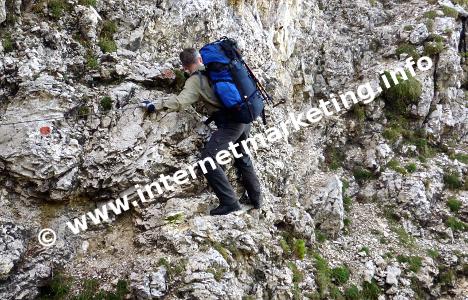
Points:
x=372, y=201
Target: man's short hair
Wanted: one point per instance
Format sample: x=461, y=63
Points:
x=189, y=56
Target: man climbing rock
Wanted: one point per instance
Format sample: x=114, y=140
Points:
x=197, y=87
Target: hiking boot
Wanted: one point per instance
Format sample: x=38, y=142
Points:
x=225, y=209
x=257, y=203
x=245, y=199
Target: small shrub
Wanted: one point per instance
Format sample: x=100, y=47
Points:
x=218, y=273
x=347, y=202
x=83, y=112
x=433, y=253
x=334, y=157
x=106, y=104
x=460, y=157
x=433, y=48
x=56, y=8
x=345, y=185
x=463, y=3
x=285, y=246
x=395, y=165
x=87, y=2
x=223, y=251
x=424, y=149
x=92, y=62
x=455, y=224
x=446, y=276
x=346, y=222
x=408, y=49
x=370, y=290
x=408, y=28
x=173, y=269
x=392, y=134
x=364, y=249
x=107, y=45
x=109, y=28
x=300, y=248
x=359, y=112
x=361, y=174
x=450, y=12
x=57, y=288
x=414, y=262
x=437, y=38
x=106, y=41
x=340, y=274
x=411, y=168
x=432, y=14
x=60, y=288
x=404, y=238
x=7, y=44
x=430, y=24
x=323, y=273
x=298, y=276
x=399, y=96
x=452, y=180
x=454, y=204
x=320, y=236
x=352, y=293
x=335, y=293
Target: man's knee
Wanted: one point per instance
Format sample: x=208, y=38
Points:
x=243, y=162
x=207, y=152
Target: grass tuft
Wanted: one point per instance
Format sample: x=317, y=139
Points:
x=352, y=293
x=454, y=204
x=92, y=62
x=340, y=274
x=414, y=262
x=411, y=167
x=399, y=96
x=452, y=180
x=461, y=157
x=433, y=253
x=300, y=248
x=334, y=157
x=7, y=43
x=106, y=40
x=408, y=49
x=433, y=48
x=106, y=103
x=432, y=14
x=450, y=12
x=456, y=225
x=371, y=290
x=395, y=165
x=56, y=8
x=107, y=45
x=87, y=2
x=361, y=174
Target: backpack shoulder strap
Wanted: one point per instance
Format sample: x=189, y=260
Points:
x=200, y=74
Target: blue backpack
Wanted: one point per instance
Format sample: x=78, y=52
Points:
x=233, y=82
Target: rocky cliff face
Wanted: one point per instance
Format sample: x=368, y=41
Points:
x=369, y=204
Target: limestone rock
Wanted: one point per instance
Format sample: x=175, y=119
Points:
x=2, y=11
x=89, y=21
x=393, y=272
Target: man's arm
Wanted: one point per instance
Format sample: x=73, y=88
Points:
x=189, y=95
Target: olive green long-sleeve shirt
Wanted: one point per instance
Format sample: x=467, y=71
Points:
x=196, y=88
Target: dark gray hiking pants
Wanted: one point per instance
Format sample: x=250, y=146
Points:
x=217, y=179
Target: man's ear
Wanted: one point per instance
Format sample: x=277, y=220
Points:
x=200, y=60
